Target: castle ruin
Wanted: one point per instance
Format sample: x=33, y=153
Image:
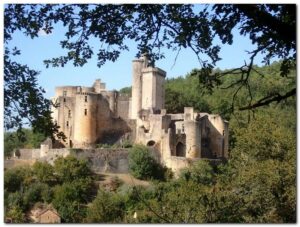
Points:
x=93, y=115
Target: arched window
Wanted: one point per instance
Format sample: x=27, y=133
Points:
x=151, y=143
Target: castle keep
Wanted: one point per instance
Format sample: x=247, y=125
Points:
x=93, y=115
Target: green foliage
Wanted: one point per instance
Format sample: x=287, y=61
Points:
x=69, y=201
x=200, y=172
x=127, y=144
x=70, y=168
x=44, y=172
x=22, y=139
x=107, y=207
x=16, y=215
x=37, y=192
x=16, y=178
x=125, y=91
x=142, y=165
x=15, y=199
x=24, y=100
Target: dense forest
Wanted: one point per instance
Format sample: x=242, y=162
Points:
x=256, y=185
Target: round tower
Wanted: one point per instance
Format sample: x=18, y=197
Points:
x=193, y=139
x=136, y=103
x=85, y=131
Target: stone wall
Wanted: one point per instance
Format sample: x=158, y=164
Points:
x=123, y=107
x=27, y=154
x=101, y=160
x=105, y=160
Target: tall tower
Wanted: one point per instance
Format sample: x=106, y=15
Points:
x=148, y=91
x=153, y=92
x=137, y=67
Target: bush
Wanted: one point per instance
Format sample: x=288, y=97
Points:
x=44, y=172
x=16, y=215
x=108, y=207
x=69, y=200
x=126, y=144
x=16, y=177
x=143, y=166
x=37, y=192
x=200, y=172
x=71, y=168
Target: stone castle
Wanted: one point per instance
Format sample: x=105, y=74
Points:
x=93, y=115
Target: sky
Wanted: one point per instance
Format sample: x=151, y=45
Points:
x=117, y=74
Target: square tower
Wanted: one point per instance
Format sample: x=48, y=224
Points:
x=153, y=91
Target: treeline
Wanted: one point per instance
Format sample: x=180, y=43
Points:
x=24, y=139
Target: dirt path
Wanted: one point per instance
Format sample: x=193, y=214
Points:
x=126, y=178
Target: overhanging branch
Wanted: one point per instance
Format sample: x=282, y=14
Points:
x=269, y=99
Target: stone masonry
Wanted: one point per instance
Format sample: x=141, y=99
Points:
x=92, y=115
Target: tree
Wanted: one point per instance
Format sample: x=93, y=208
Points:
x=125, y=91
x=272, y=28
x=16, y=178
x=107, y=207
x=200, y=172
x=142, y=165
x=70, y=168
x=69, y=203
x=259, y=22
x=16, y=215
x=25, y=138
x=44, y=172
x=10, y=144
x=37, y=192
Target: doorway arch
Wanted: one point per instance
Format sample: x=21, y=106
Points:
x=180, y=150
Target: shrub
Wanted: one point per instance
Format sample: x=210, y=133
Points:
x=16, y=177
x=108, y=207
x=200, y=172
x=70, y=168
x=44, y=172
x=127, y=144
x=143, y=166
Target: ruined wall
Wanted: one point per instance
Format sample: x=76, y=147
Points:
x=106, y=160
x=111, y=97
x=206, y=148
x=27, y=154
x=218, y=136
x=101, y=160
x=123, y=107
x=178, y=163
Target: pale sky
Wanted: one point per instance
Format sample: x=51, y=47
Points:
x=118, y=74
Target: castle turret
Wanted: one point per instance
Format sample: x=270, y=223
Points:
x=98, y=86
x=193, y=134
x=136, y=103
x=85, y=131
